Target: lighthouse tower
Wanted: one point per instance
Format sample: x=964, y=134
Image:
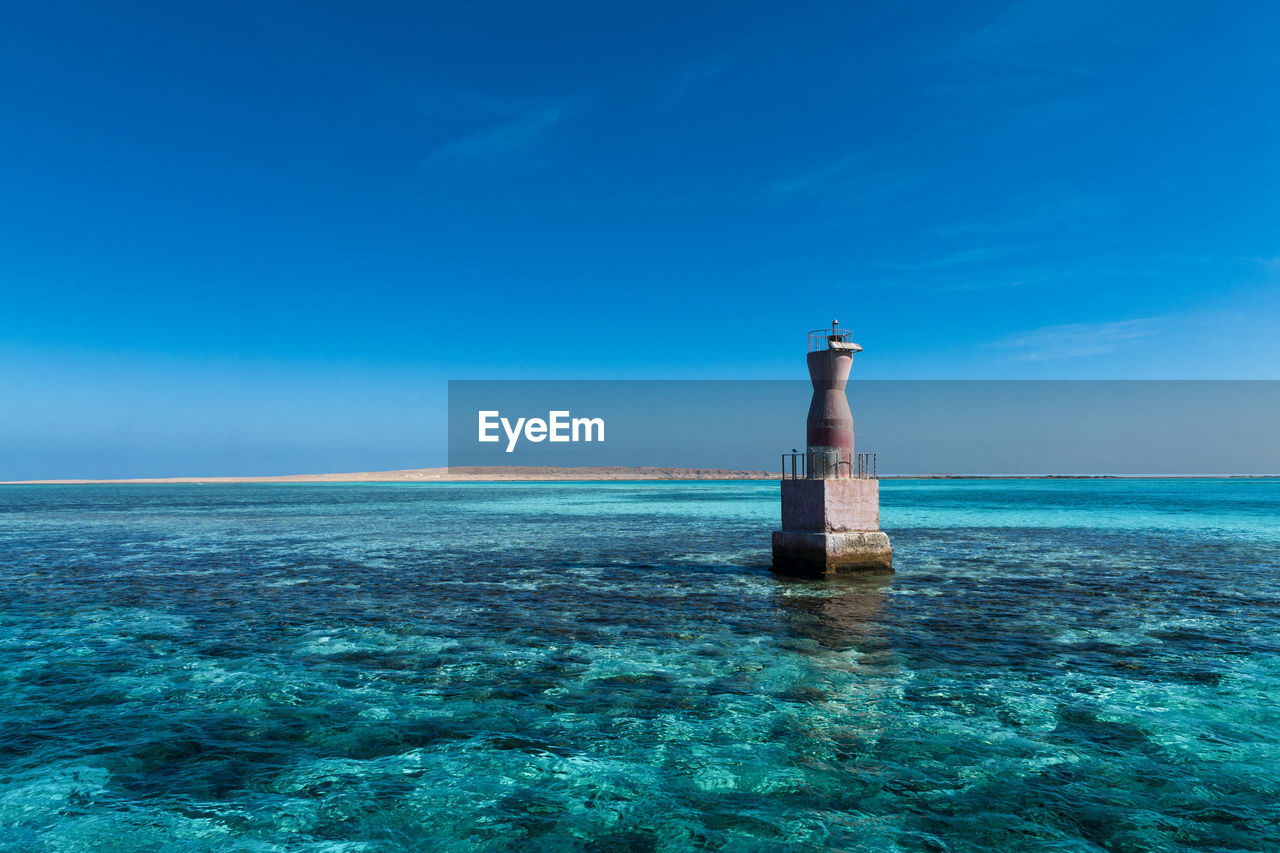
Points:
x=830, y=493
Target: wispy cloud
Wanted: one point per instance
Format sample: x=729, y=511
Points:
x=693, y=76
x=820, y=178
x=1028, y=36
x=1003, y=280
x=842, y=181
x=1050, y=207
x=498, y=127
x=504, y=137
x=1072, y=340
x=974, y=268
x=1029, y=23
x=962, y=258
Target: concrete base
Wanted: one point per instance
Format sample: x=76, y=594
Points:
x=798, y=552
x=831, y=506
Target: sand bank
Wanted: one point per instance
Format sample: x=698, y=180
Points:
x=467, y=474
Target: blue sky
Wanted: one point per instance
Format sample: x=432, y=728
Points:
x=262, y=235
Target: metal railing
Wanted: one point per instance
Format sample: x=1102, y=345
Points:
x=865, y=467
x=828, y=466
x=820, y=339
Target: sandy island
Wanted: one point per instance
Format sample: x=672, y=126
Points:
x=481, y=474
x=461, y=474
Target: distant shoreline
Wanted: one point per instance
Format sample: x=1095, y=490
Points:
x=512, y=473
x=532, y=473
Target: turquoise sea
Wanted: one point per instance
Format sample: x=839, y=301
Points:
x=1057, y=665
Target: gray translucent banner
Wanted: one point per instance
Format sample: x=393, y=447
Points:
x=915, y=427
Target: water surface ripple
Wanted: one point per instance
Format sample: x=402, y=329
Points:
x=1057, y=665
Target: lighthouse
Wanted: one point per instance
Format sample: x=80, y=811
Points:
x=830, y=493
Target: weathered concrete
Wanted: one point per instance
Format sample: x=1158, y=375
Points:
x=799, y=552
x=831, y=506
x=831, y=527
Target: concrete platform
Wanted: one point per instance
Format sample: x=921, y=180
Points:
x=831, y=506
x=800, y=552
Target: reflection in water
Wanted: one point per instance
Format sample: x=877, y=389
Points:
x=838, y=613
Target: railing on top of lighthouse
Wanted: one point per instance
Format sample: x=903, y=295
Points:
x=821, y=339
x=829, y=465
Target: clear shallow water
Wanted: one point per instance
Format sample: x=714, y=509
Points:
x=1057, y=665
